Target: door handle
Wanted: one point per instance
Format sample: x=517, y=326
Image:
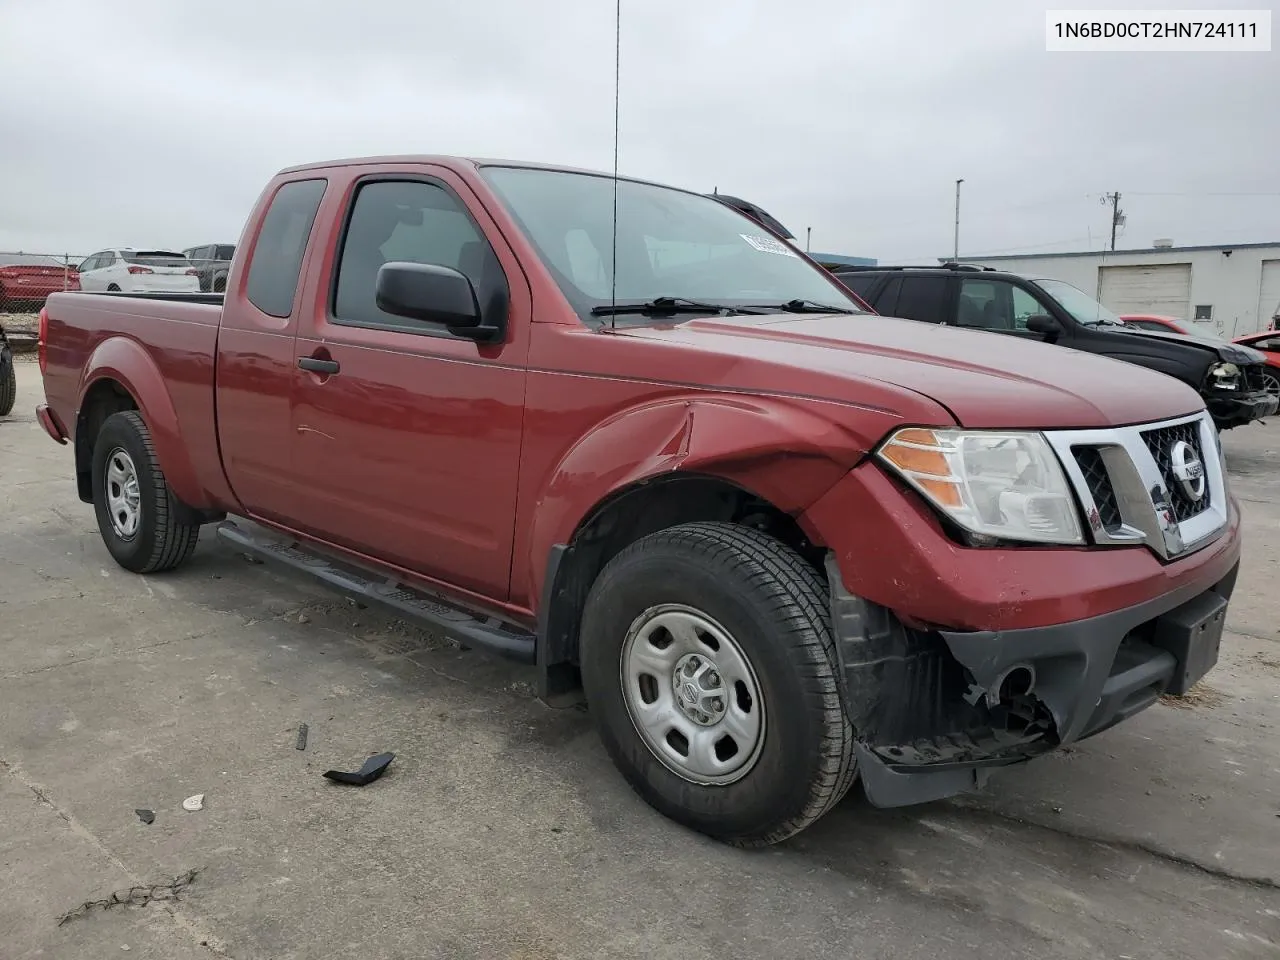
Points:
x=316, y=365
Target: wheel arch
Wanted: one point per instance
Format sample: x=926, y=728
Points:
x=120, y=375
x=759, y=462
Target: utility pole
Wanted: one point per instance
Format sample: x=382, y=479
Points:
x=808, y=233
x=1117, y=215
x=955, y=252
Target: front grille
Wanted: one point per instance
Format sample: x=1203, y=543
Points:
x=1161, y=443
x=1099, y=483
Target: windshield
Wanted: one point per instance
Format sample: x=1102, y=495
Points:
x=671, y=244
x=1076, y=302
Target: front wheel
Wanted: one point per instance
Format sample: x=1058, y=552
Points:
x=137, y=512
x=708, y=662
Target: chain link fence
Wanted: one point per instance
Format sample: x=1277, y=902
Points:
x=27, y=279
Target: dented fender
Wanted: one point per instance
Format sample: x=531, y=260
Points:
x=124, y=361
x=775, y=448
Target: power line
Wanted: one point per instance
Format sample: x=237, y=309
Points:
x=933, y=257
x=1197, y=193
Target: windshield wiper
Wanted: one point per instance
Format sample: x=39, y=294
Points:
x=660, y=305
x=806, y=306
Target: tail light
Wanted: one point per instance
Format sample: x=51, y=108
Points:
x=136, y=269
x=193, y=273
x=42, y=340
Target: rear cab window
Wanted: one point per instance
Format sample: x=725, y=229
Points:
x=273, y=275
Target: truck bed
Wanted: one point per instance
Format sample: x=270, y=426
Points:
x=169, y=340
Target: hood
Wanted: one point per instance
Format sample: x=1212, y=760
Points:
x=1222, y=349
x=984, y=379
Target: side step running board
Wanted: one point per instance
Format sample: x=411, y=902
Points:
x=433, y=613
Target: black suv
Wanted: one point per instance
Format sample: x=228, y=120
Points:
x=1228, y=376
x=212, y=263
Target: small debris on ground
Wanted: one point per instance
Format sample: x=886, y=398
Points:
x=302, y=617
x=138, y=896
x=146, y=816
x=302, y=736
x=373, y=768
x=1201, y=695
x=192, y=804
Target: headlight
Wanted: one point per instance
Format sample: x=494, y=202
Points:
x=1004, y=485
x=1224, y=376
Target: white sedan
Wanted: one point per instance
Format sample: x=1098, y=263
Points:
x=139, y=271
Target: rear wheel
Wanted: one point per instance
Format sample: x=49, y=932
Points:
x=220, y=285
x=8, y=388
x=708, y=662
x=112, y=288
x=137, y=512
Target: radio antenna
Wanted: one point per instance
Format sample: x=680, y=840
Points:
x=617, y=87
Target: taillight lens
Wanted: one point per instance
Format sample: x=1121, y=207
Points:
x=193, y=273
x=42, y=340
x=141, y=270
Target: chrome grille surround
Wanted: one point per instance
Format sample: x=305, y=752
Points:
x=1139, y=487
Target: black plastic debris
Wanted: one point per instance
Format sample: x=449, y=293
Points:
x=373, y=768
x=146, y=816
x=302, y=736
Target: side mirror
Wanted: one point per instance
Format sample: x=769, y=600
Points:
x=427, y=292
x=1044, y=324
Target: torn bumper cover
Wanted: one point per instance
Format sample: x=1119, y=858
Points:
x=936, y=711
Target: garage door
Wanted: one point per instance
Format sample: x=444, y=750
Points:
x=1163, y=289
x=1269, y=298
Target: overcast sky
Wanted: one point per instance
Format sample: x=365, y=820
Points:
x=157, y=123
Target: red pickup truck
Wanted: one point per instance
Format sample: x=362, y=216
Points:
x=780, y=542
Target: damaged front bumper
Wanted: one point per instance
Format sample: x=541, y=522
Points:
x=1236, y=410
x=935, y=710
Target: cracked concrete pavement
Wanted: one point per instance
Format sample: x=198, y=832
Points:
x=502, y=831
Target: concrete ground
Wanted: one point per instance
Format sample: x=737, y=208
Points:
x=502, y=831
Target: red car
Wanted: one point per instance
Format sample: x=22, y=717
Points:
x=781, y=543
x=1268, y=343
x=1159, y=323
x=1154, y=321
x=26, y=279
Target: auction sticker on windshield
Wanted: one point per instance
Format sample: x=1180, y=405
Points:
x=768, y=245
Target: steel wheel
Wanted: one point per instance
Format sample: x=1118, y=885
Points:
x=692, y=695
x=124, y=503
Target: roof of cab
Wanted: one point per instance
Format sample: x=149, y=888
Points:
x=457, y=163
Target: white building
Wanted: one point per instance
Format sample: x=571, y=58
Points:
x=1230, y=290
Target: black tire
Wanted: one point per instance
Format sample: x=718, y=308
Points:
x=159, y=542
x=112, y=288
x=220, y=285
x=775, y=607
x=8, y=388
